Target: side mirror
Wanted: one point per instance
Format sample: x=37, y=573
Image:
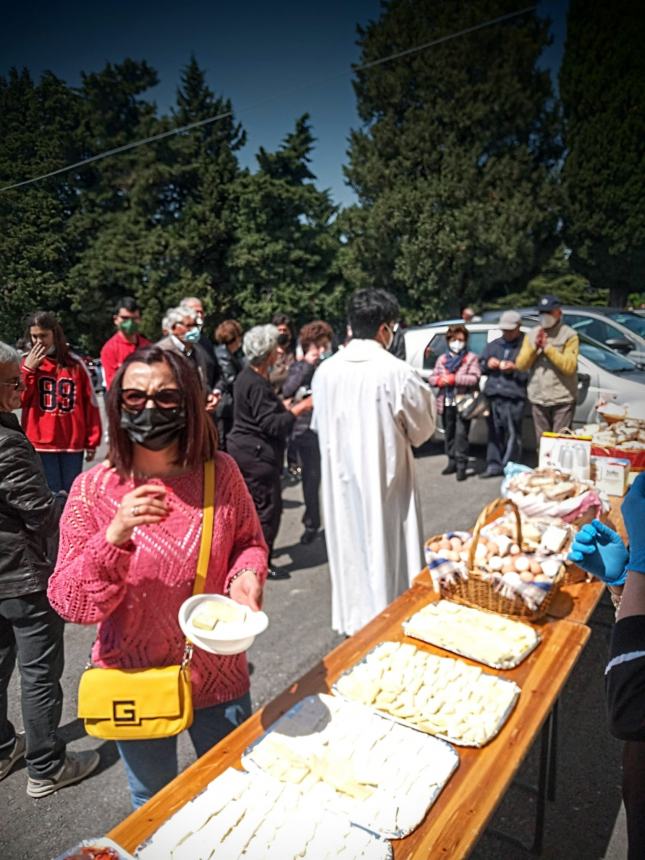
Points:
x=620, y=344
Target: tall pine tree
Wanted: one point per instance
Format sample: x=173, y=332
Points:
x=286, y=246
x=38, y=134
x=454, y=165
x=602, y=84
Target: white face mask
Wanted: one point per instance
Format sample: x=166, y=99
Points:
x=456, y=345
x=547, y=320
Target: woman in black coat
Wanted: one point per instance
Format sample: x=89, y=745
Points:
x=228, y=353
x=261, y=425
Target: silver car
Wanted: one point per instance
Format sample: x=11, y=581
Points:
x=602, y=373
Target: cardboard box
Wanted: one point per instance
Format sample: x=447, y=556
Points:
x=610, y=475
x=570, y=454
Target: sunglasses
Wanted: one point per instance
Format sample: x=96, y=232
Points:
x=167, y=398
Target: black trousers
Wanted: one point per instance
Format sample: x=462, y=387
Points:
x=634, y=797
x=504, y=432
x=456, y=436
x=32, y=631
x=263, y=480
x=309, y=453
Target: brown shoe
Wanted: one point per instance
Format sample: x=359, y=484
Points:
x=77, y=766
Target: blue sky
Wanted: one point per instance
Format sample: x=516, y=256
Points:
x=275, y=61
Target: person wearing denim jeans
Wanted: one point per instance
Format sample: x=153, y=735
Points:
x=149, y=765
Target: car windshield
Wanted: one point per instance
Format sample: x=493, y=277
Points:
x=631, y=321
x=605, y=358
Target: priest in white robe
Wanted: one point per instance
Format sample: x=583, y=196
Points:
x=370, y=409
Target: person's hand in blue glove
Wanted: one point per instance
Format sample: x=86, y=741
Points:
x=599, y=550
x=633, y=510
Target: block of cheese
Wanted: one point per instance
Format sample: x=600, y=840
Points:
x=445, y=697
x=487, y=637
x=252, y=817
x=210, y=612
x=347, y=759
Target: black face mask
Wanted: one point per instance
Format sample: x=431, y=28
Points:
x=154, y=429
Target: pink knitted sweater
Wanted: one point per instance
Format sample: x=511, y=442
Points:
x=134, y=591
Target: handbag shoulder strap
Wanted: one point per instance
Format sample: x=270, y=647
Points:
x=207, y=527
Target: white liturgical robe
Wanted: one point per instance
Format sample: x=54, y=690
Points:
x=370, y=408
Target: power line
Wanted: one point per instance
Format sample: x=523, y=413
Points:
x=209, y=120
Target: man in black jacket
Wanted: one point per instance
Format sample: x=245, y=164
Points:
x=506, y=390
x=29, y=627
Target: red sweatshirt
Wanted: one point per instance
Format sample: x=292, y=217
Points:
x=59, y=408
x=116, y=350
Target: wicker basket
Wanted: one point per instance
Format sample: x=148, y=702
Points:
x=479, y=592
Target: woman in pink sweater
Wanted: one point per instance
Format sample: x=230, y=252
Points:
x=130, y=537
x=456, y=373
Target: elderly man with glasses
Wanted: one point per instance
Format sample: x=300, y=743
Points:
x=29, y=628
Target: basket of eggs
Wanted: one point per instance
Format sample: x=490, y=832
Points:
x=492, y=570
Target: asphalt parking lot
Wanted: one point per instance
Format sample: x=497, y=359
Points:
x=578, y=824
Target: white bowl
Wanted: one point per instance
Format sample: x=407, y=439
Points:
x=227, y=637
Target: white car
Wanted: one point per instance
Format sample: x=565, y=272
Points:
x=602, y=374
x=622, y=331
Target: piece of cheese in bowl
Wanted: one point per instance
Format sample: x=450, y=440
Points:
x=220, y=625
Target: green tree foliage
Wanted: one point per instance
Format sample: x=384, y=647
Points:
x=284, y=254
x=602, y=85
x=38, y=124
x=454, y=165
x=556, y=279
x=158, y=222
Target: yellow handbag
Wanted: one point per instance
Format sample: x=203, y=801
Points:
x=142, y=704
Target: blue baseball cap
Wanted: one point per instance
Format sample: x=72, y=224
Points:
x=548, y=303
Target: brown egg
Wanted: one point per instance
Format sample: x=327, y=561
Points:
x=541, y=578
x=535, y=567
x=508, y=566
x=525, y=576
x=444, y=543
x=521, y=563
x=434, y=546
x=493, y=548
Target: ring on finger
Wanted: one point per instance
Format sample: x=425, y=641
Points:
x=134, y=512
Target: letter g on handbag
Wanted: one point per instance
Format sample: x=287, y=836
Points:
x=142, y=704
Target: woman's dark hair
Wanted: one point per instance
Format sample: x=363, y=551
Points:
x=48, y=320
x=369, y=309
x=228, y=331
x=458, y=328
x=284, y=319
x=198, y=439
x=313, y=332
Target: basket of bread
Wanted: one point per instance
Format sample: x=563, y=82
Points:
x=495, y=568
x=549, y=492
x=623, y=438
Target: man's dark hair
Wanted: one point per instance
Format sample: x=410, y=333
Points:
x=127, y=303
x=369, y=309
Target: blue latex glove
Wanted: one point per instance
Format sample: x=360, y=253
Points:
x=633, y=510
x=600, y=551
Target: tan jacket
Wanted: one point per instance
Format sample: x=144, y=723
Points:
x=552, y=371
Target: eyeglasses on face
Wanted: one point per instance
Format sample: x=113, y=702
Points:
x=135, y=399
x=14, y=383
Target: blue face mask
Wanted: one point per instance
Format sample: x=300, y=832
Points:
x=192, y=335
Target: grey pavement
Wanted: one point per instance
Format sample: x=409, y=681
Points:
x=579, y=823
